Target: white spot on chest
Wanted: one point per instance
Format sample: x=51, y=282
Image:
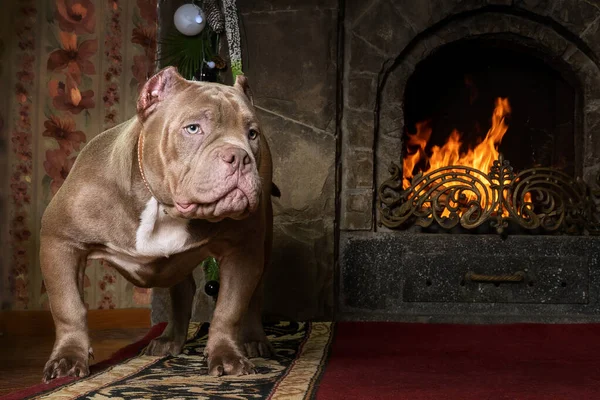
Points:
x=160, y=235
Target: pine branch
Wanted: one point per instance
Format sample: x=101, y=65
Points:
x=187, y=53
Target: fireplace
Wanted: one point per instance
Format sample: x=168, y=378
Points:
x=469, y=108
x=480, y=198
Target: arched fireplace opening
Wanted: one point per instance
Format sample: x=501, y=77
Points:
x=456, y=89
x=491, y=142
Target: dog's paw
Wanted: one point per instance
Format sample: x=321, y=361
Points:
x=256, y=343
x=229, y=363
x=66, y=365
x=259, y=348
x=164, y=346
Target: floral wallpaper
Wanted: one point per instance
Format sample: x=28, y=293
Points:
x=77, y=66
x=20, y=221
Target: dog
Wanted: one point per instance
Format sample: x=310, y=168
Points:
x=190, y=176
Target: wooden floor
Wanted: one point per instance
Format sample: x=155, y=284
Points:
x=26, y=339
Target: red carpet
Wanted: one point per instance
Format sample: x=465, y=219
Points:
x=462, y=362
x=366, y=361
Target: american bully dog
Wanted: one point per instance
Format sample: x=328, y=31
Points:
x=188, y=177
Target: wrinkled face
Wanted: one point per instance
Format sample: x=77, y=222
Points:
x=201, y=149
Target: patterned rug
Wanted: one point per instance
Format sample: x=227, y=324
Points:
x=301, y=352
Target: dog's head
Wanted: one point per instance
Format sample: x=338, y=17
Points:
x=201, y=146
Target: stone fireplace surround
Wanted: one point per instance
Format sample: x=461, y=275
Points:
x=404, y=275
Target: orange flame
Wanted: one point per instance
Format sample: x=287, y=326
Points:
x=481, y=157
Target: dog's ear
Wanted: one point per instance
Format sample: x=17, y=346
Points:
x=156, y=89
x=241, y=84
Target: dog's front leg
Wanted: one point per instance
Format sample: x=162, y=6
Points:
x=256, y=343
x=240, y=273
x=63, y=269
x=173, y=337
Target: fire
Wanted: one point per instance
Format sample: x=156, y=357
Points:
x=481, y=157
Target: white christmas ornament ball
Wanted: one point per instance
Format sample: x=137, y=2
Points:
x=189, y=19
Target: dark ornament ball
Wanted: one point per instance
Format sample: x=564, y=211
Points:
x=206, y=74
x=211, y=288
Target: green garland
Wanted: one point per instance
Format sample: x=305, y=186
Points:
x=211, y=269
x=188, y=53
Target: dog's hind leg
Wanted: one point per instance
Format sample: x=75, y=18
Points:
x=173, y=337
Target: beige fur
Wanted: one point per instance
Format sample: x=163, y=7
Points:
x=206, y=193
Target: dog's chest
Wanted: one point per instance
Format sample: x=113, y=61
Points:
x=160, y=235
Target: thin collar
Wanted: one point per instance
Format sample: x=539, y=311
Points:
x=140, y=154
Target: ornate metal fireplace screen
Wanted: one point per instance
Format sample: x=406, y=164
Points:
x=536, y=198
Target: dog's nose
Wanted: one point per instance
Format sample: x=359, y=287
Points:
x=235, y=156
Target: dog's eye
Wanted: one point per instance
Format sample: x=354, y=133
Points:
x=252, y=134
x=192, y=129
